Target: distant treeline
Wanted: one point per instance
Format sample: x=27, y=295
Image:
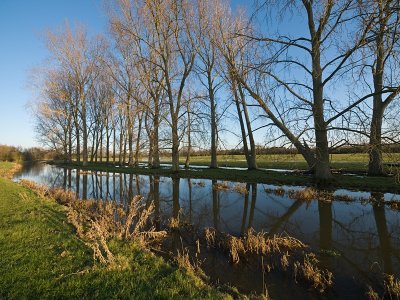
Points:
x=18, y=154
x=395, y=148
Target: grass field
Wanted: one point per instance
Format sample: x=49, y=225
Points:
x=351, y=162
x=41, y=257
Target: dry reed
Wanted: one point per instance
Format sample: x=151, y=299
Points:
x=392, y=286
x=309, y=271
x=241, y=188
x=221, y=186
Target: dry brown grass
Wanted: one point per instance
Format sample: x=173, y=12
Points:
x=278, y=248
x=241, y=188
x=183, y=261
x=60, y=195
x=392, y=286
x=306, y=194
x=371, y=294
x=98, y=222
x=200, y=183
x=9, y=172
x=395, y=205
x=309, y=271
x=279, y=191
x=252, y=244
x=221, y=186
x=209, y=234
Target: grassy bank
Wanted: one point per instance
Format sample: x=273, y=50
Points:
x=352, y=162
x=383, y=184
x=42, y=257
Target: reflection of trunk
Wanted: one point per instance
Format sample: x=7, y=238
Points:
x=246, y=204
x=64, y=178
x=77, y=181
x=138, y=185
x=130, y=188
x=150, y=194
x=215, y=198
x=285, y=217
x=84, y=186
x=175, y=197
x=253, y=204
x=325, y=232
x=121, y=196
x=189, y=181
x=383, y=233
x=114, y=187
x=107, y=185
x=69, y=179
x=175, y=212
x=156, y=193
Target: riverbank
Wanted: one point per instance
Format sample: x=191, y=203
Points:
x=346, y=180
x=42, y=257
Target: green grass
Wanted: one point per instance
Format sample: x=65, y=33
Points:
x=357, y=162
x=41, y=257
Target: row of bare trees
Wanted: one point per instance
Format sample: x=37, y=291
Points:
x=315, y=74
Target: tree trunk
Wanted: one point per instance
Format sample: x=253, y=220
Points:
x=242, y=127
x=156, y=150
x=375, y=165
x=84, y=134
x=107, y=145
x=78, y=143
x=137, y=150
x=130, y=141
x=252, y=162
x=189, y=146
x=322, y=165
x=101, y=145
x=214, y=162
x=121, y=145
x=175, y=144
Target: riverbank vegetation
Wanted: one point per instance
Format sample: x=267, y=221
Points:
x=180, y=75
x=42, y=257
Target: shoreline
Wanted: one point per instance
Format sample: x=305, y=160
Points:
x=342, y=179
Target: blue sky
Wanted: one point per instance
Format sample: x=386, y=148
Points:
x=22, y=48
x=22, y=23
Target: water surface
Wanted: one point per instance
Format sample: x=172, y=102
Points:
x=357, y=240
